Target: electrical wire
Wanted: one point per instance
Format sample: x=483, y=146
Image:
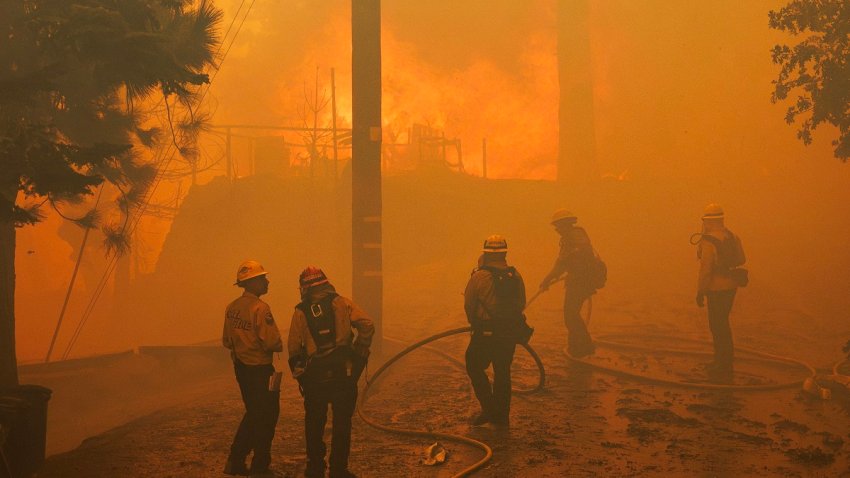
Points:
x=229, y=27
x=73, y=278
x=162, y=163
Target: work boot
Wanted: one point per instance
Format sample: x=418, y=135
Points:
x=500, y=421
x=235, y=468
x=315, y=471
x=719, y=373
x=481, y=419
x=342, y=474
x=267, y=473
x=582, y=351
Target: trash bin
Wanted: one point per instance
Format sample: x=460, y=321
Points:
x=23, y=412
x=12, y=412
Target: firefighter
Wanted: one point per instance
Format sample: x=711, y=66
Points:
x=252, y=337
x=720, y=254
x=327, y=358
x=493, y=301
x=578, y=260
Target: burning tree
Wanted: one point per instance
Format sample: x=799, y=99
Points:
x=73, y=76
x=818, y=67
x=316, y=140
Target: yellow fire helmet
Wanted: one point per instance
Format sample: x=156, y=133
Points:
x=496, y=243
x=713, y=211
x=248, y=270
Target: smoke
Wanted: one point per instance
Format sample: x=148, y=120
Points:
x=682, y=112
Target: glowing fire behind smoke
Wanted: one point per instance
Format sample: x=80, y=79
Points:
x=515, y=108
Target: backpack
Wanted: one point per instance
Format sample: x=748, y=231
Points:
x=321, y=321
x=508, y=318
x=585, y=267
x=506, y=283
x=730, y=252
x=597, y=272
x=730, y=257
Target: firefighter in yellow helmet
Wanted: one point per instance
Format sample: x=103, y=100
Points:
x=493, y=301
x=327, y=358
x=252, y=337
x=720, y=256
x=578, y=260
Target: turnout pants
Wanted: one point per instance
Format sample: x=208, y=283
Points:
x=579, y=342
x=262, y=408
x=495, y=399
x=341, y=395
x=719, y=305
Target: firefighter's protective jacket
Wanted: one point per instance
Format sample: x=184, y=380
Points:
x=250, y=331
x=347, y=315
x=574, y=257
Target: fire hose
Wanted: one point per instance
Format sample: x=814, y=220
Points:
x=764, y=356
x=488, y=452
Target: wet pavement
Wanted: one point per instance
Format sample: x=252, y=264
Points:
x=585, y=423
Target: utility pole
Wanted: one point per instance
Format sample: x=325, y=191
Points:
x=576, y=134
x=367, y=269
x=228, y=153
x=333, y=125
x=484, y=158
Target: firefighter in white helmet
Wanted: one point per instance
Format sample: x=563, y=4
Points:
x=327, y=358
x=585, y=273
x=252, y=336
x=720, y=256
x=494, y=300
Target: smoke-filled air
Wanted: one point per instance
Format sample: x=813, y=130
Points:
x=496, y=238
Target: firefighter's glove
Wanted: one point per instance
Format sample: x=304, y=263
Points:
x=700, y=299
x=297, y=364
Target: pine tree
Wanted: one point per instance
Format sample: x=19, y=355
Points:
x=71, y=76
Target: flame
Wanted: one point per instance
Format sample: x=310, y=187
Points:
x=515, y=110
